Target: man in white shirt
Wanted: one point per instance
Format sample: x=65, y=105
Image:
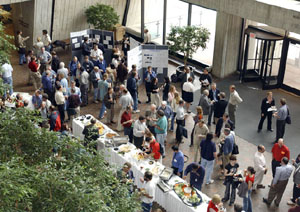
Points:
x=60, y=101
x=180, y=116
x=234, y=100
x=63, y=70
x=188, y=92
x=46, y=40
x=38, y=46
x=148, y=192
x=95, y=54
x=139, y=130
x=259, y=167
x=7, y=76
x=84, y=85
x=147, y=37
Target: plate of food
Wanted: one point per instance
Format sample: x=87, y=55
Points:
x=125, y=148
x=110, y=135
x=139, y=156
x=101, y=128
x=188, y=194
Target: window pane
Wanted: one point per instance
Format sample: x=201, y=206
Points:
x=292, y=71
x=134, y=16
x=205, y=18
x=154, y=19
x=177, y=14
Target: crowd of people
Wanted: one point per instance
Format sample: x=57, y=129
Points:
x=61, y=91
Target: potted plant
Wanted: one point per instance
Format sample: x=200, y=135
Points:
x=187, y=40
x=102, y=16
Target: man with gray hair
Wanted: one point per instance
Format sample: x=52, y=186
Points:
x=63, y=70
x=151, y=118
x=205, y=104
x=228, y=142
x=161, y=128
x=259, y=167
x=45, y=59
x=167, y=109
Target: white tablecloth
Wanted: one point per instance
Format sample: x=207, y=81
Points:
x=169, y=200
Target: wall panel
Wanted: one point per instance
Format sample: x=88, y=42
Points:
x=69, y=15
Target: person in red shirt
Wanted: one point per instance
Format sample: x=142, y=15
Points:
x=214, y=204
x=279, y=151
x=249, y=174
x=126, y=121
x=154, y=148
x=35, y=74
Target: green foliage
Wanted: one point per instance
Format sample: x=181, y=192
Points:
x=102, y=16
x=187, y=40
x=36, y=179
x=5, y=49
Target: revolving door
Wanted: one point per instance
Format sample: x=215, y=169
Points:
x=261, y=57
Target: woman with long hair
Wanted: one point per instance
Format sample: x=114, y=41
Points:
x=249, y=175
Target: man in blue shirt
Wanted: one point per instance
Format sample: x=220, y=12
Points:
x=102, y=64
x=281, y=117
x=167, y=109
x=132, y=88
x=227, y=147
x=177, y=161
x=149, y=75
x=37, y=99
x=197, y=173
x=103, y=88
x=48, y=85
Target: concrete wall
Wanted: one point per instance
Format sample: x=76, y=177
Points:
x=2, y=2
x=227, y=39
x=70, y=16
x=23, y=19
x=275, y=16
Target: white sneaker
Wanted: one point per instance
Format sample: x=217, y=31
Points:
x=136, y=111
x=210, y=182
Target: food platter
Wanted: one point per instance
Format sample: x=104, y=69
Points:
x=110, y=135
x=188, y=194
x=101, y=128
x=139, y=156
x=125, y=148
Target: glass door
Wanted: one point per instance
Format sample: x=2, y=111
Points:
x=292, y=69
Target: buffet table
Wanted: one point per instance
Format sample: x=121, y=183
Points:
x=26, y=96
x=169, y=200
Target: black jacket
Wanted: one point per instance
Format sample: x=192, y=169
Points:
x=94, y=79
x=220, y=108
x=220, y=124
x=107, y=103
x=211, y=96
x=265, y=105
x=86, y=49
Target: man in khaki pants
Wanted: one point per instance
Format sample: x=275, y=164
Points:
x=200, y=133
x=279, y=182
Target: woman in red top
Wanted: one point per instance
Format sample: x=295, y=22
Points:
x=249, y=174
x=215, y=204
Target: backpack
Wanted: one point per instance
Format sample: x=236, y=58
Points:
x=161, y=149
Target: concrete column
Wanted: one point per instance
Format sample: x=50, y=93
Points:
x=227, y=41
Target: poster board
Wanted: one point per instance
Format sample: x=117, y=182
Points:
x=146, y=55
x=105, y=37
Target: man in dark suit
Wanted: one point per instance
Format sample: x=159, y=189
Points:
x=221, y=122
x=185, y=75
x=205, y=80
x=214, y=96
x=86, y=48
x=220, y=107
x=149, y=75
x=265, y=105
x=95, y=77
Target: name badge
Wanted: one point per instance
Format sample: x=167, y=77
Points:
x=175, y=160
x=282, y=152
x=196, y=180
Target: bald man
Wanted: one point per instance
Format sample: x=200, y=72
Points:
x=259, y=167
x=279, y=151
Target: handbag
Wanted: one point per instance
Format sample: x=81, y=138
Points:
x=288, y=118
x=235, y=150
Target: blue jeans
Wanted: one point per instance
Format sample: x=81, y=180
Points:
x=102, y=110
x=96, y=94
x=135, y=100
x=146, y=207
x=161, y=139
x=9, y=81
x=172, y=121
x=208, y=166
x=247, y=202
x=22, y=59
